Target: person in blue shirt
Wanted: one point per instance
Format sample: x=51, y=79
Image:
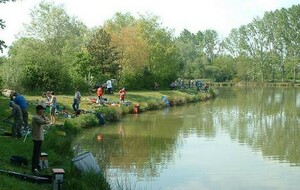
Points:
x=21, y=101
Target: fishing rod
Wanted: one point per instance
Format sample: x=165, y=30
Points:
x=27, y=177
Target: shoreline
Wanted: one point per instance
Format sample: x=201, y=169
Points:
x=59, y=138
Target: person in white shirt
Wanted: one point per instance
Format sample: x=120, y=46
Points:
x=109, y=86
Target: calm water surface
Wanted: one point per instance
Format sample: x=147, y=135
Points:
x=247, y=138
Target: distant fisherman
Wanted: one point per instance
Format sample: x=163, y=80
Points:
x=77, y=98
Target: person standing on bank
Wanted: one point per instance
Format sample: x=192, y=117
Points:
x=109, y=86
x=53, y=106
x=37, y=132
x=122, y=94
x=100, y=94
x=21, y=101
x=16, y=113
x=76, y=101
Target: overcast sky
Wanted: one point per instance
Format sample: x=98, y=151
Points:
x=194, y=15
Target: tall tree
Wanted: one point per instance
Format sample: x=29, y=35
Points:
x=126, y=35
x=211, y=44
x=51, y=24
x=104, y=56
x=163, y=62
x=53, y=33
x=292, y=38
x=190, y=48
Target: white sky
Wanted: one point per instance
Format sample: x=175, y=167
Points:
x=194, y=15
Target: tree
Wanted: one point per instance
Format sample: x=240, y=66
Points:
x=104, y=56
x=51, y=24
x=46, y=49
x=126, y=35
x=190, y=52
x=210, y=44
x=163, y=62
x=292, y=38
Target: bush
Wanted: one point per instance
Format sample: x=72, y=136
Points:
x=111, y=114
x=83, y=121
x=155, y=105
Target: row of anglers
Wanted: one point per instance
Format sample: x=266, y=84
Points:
x=19, y=113
x=39, y=120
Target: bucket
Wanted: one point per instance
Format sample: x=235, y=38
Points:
x=86, y=163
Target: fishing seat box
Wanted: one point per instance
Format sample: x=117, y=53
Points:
x=43, y=160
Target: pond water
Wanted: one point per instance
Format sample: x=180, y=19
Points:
x=246, y=138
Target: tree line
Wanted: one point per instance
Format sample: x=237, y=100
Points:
x=59, y=52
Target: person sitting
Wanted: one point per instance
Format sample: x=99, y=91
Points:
x=172, y=85
x=206, y=87
x=76, y=100
x=156, y=86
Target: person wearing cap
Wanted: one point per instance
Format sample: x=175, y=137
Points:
x=16, y=113
x=37, y=133
x=21, y=101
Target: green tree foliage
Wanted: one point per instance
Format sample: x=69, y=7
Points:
x=45, y=55
x=32, y=67
x=197, y=52
x=51, y=24
x=271, y=44
x=126, y=35
x=104, y=57
x=147, y=50
x=163, y=62
x=58, y=52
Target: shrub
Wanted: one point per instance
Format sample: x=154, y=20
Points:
x=111, y=114
x=84, y=121
x=155, y=105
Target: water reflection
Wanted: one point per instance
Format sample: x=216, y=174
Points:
x=271, y=126
x=201, y=145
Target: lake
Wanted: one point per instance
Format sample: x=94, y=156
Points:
x=246, y=138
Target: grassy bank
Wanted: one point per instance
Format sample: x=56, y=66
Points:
x=58, y=139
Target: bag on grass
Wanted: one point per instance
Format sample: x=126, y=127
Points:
x=100, y=118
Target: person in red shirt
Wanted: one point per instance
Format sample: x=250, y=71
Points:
x=100, y=93
x=122, y=93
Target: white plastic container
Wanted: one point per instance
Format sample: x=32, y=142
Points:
x=86, y=163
